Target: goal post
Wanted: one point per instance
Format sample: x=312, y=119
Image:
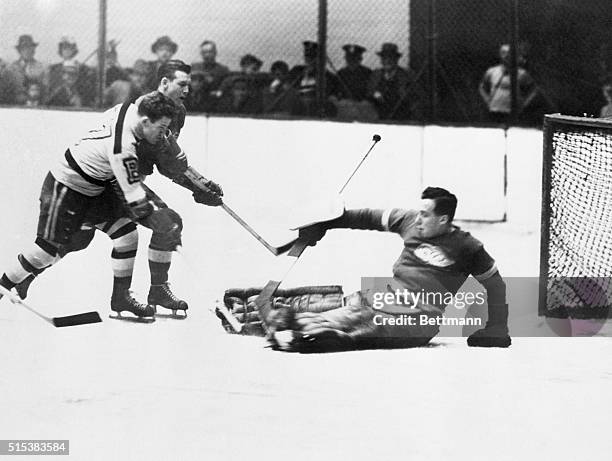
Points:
x=576, y=218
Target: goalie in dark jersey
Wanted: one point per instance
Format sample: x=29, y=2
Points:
x=170, y=160
x=437, y=257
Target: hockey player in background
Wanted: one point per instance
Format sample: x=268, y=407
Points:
x=437, y=258
x=75, y=192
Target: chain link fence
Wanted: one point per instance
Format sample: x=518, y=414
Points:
x=393, y=61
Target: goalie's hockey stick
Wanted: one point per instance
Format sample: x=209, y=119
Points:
x=264, y=300
x=67, y=321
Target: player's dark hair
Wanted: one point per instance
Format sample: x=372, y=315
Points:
x=155, y=105
x=446, y=203
x=169, y=68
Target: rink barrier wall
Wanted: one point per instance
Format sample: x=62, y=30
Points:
x=268, y=166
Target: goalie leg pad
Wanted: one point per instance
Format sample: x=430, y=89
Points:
x=240, y=302
x=359, y=326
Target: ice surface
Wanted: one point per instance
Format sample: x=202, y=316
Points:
x=186, y=390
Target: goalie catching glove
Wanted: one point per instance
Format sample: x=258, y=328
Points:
x=239, y=303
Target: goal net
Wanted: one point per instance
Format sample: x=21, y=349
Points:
x=576, y=241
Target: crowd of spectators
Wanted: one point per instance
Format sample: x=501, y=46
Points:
x=388, y=92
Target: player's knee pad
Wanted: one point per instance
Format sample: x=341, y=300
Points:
x=167, y=231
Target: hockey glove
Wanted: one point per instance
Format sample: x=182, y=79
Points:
x=313, y=233
x=209, y=194
x=495, y=332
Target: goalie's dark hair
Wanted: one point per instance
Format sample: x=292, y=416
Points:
x=155, y=105
x=446, y=203
x=169, y=68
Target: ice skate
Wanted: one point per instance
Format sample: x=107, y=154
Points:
x=125, y=302
x=161, y=295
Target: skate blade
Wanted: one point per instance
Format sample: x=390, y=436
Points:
x=131, y=318
x=174, y=315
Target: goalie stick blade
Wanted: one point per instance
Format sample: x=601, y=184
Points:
x=284, y=248
x=77, y=319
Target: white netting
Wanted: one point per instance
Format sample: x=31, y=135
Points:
x=579, y=220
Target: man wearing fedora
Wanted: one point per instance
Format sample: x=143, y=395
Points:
x=164, y=48
x=26, y=70
x=388, y=86
x=70, y=73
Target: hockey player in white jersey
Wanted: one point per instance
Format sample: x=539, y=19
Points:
x=76, y=189
x=170, y=160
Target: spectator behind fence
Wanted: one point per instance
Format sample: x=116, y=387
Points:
x=496, y=89
x=280, y=97
x=129, y=88
x=114, y=71
x=164, y=48
x=34, y=95
x=26, y=69
x=304, y=77
x=239, y=98
x=250, y=67
x=212, y=75
x=354, y=79
x=389, y=84
x=8, y=86
x=66, y=93
x=70, y=80
x=606, y=89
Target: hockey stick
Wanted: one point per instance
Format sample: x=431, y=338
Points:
x=197, y=178
x=67, y=321
x=264, y=300
x=272, y=249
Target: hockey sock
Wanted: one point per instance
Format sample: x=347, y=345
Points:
x=32, y=261
x=120, y=285
x=159, y=265
x=125, y=243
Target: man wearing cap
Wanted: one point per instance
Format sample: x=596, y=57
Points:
x=241, y=92
x=354, y=76
x=388, y=86
x=26, y=69
x=71, y=72
x=304, y=78
x=211, y=74
x=164, y=48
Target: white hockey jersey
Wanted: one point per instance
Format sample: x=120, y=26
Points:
x=104, y=153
